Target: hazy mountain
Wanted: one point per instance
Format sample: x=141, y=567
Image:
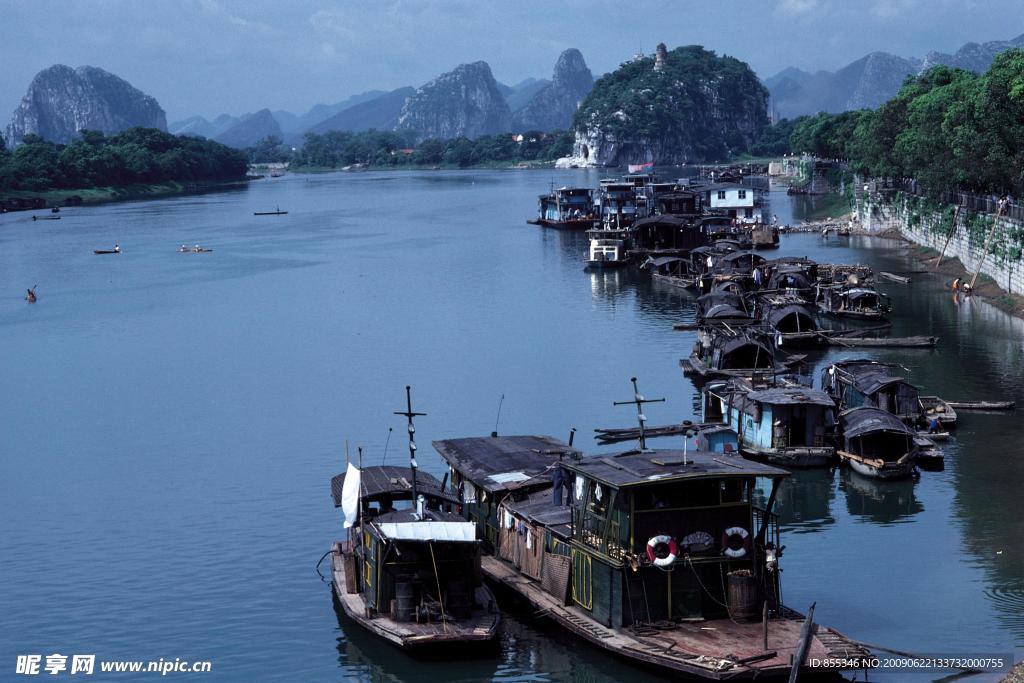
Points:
x=62, y=101
x=553, y=106
x=972, y=56
x=869, y=81
x=523, y=91
x=250, y=130
x=381, y=113
x=463, y=102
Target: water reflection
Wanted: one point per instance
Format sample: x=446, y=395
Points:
x=804, y=502
x=878, y=500
x=527, y=650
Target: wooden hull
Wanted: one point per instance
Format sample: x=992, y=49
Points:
x=270, y=213
x=605, y=265
x=935, y=407
x=706, y=650
x=878, y=469
x=105, y=251
x=982, y=405
x=695, y=366
x=798, y=456
x=480, y=629
x=581, y=224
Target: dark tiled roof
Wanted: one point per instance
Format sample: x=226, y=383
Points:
x=505, y=462
x=379, y=480
x=634, y=468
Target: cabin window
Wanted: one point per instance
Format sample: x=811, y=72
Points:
x=582, y=580
x=734, y=491
x=721, y=194
x=742, y=194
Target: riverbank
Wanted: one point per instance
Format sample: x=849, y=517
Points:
x=120, y=193
x=490, y=166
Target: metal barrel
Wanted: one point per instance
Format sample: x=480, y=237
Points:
x=405, y=602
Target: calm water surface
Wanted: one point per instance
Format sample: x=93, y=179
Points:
x=170, y=422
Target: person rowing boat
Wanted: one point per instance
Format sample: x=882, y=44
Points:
x=31, y=296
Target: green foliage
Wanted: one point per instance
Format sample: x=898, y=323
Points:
x=337, y=149
x=269, y=150
x=949, y=129
x=714, y=105
x=136, y=155
x=774, y=140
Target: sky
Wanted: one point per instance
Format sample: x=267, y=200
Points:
x=209, y=57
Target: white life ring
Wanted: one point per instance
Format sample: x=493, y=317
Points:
x=733, y=536
x=652, y=555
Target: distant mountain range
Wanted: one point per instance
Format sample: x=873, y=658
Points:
x=869, y=81
x=466, y=101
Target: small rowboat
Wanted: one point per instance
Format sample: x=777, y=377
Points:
x=106, y=251
x=275, y=212
x=46, y=218
x=935, y=407
x=893, y=277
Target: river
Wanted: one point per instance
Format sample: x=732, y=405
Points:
x=171, y=421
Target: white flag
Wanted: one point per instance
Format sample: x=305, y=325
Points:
x=350, y=495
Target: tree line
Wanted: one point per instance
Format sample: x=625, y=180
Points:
x=133, y=156
x=948, y=129
x=337, y=149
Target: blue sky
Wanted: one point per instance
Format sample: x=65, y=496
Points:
x=213, y=56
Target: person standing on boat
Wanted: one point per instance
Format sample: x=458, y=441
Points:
x=31, y=296
x=934, y=427
x=956, y=284
x=117, y=248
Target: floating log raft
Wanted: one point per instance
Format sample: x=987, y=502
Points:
x=893, y=277
x=983, y=405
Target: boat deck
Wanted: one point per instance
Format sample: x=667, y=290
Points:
x=714, y=648
x=481, y=627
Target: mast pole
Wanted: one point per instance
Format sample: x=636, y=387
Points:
x=409, y=415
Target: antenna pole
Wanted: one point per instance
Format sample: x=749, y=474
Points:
x=501, y=400
x=409, y=415
x=639, y=400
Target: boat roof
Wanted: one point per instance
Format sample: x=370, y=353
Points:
x=739, y=341
x=662, y=260
x=377, y=481
x=669, y=219
x=865, y=420
x=638, y=468
x=738, y=255
x=791, y=396
x=539, y=508
x=436, y=525
x=503, y=463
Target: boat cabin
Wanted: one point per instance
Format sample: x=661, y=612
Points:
x=677, y=234
x=788, y=426
x=716, y=354
x=720, y=306
x=679, y=202
x=658, y=534
x=859, y=382
x=620, y=206
x=567, y=205
x=848, y=301
x=787, y=320
x=876, y=443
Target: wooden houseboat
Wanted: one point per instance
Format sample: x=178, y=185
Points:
x=674, y=271
x=567, y=208
x=860, y=382
x=787, y=320
x=861, y=302
x=876, y=443
x=722, y=307
x=674, y=235
x=717, y=353
x=411, y=574
x=662, y=557
x=786, y=425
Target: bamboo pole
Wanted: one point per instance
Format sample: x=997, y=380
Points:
x=949, y=237
x=988, y=239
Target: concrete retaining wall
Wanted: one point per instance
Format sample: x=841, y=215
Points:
x=929, y=225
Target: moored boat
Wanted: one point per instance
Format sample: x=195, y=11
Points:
x=567, y=208
x=934, y=408
x=659, y=556
x=876, y=443
x=409, y=574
